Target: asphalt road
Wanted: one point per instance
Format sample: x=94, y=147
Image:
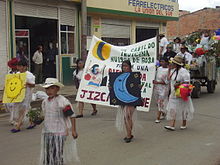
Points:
x=100, y=144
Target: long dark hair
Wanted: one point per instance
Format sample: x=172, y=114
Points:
x=126, y=62
x=77, y=64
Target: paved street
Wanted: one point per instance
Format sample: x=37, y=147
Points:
x=100, y=144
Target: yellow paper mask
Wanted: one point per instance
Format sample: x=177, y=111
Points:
x=14, y=88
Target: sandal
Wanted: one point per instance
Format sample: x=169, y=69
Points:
x=15, y=130
x=79, y=116
x=94, y=113
x=31, y=126
x=128, y=140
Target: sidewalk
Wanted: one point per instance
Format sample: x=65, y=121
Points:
x=67, y=91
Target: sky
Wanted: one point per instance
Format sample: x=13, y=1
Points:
x=194, y=5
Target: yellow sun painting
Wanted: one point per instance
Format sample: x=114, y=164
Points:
x=14, y=91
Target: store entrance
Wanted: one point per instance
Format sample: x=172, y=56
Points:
x=144, y=34
x=43, y=32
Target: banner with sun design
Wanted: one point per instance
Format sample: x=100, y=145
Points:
x=14, y=91
x=104, y=58
x=125, y=88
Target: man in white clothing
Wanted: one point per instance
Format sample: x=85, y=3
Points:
x=163, y=45
x=38, y=64
x=185, y=55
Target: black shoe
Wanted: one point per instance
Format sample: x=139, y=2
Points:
x=94, y=113
x=128, y=140
x=79, y=116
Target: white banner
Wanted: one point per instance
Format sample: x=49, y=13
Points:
x=104, y=58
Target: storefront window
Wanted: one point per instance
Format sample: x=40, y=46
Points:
x=67, y=39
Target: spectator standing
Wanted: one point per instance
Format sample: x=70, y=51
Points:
x=38, y=64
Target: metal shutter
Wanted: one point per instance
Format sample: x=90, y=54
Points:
x=3, y=43
x=36, y=10
x=148, y=24
x=67, y=16
x=115, y=28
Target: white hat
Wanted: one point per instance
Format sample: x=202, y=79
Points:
x=52, y=81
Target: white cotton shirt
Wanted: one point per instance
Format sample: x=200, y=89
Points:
x=163, y=43
x=187, y=56
x=25, y=104
x=54, y=119
x=37, y=57
x=78, y=75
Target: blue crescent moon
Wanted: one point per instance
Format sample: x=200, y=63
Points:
x=121, y=91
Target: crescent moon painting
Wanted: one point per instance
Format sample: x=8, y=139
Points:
x=101, y=51
x=125, y=88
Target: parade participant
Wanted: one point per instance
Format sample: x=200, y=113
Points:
x=23, y=107
x=177, y=108
x=77, y=76
x=125, y=112
x=187, y=57
x=163, y=44
x=169, y=53
x=205, y=40
x=161, y=89
x=12, y=64
x=59, y=118
x=38, y=64
x=177, y=45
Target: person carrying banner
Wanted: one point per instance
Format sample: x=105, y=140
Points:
x=177, y=108
x=77, y=76
x=125, y=112
x=161, y=88
x=23, y=107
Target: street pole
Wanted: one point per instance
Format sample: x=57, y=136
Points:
x=84, y=30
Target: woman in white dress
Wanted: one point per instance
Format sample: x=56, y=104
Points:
x=161, y=89
x=177, y=108
x=77, y=76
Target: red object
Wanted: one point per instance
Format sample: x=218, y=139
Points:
x=200, y=51
x=87, y=77
x=184, y=93
x=12, y=63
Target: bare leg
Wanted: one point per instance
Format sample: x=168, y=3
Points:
x=184, y=123
x=20, y=119
x=128, y=120
x=172, y=123
x=81, y=107
x=158, y=115
x=94, y=107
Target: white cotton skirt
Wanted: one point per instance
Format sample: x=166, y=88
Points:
x=177, y=109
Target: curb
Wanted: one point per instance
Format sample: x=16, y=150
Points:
x=36, y=104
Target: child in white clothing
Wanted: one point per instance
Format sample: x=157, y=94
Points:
x=23, y=107
x=59, y=117
x=161, y=88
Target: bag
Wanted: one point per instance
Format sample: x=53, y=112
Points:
x=67, y=111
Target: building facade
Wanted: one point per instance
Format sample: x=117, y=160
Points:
x=205, y=19
x=126, y=22
x=25, y=24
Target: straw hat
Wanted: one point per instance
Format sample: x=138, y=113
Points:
x=177, y=60
x=52, y=81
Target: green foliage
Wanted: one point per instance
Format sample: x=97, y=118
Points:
x=35, y=116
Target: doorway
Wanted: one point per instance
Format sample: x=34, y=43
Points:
x=145, y=33
x=42, y=31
